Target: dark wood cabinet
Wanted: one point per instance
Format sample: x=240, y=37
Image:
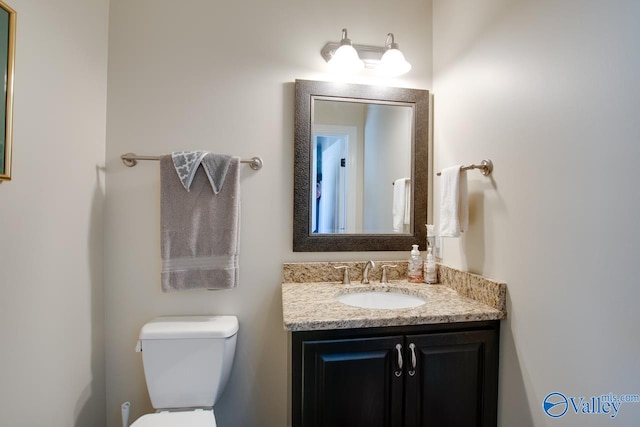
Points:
x=410, y=376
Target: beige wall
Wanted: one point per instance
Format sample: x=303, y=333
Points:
x=549, y=91
x=219, y=76
x=51, y=250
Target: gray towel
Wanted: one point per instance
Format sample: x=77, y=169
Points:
x=216, y=167
x=187, y=163
x=199, y=229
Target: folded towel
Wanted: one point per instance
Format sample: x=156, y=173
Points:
x=186, y=164
x=215, y=166
x=454, y=203
x=199, y=228
x=401, y=209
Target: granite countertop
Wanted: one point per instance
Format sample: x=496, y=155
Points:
x=311, y=304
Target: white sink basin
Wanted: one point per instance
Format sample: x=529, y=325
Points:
x=381, y=300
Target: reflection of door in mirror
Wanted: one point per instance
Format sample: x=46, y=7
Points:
x=358, y=150
x=333, y=169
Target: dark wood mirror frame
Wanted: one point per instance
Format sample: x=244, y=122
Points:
x=303, y=239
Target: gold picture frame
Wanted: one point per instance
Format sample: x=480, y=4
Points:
x=7, y=59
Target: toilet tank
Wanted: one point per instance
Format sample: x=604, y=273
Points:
x=187, y=360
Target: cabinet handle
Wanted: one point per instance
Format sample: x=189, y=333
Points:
x=399, y=350
x=412, y=347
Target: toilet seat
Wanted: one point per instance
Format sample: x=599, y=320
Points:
x=194, y=418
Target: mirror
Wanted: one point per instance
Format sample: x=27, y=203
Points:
x=361, y=167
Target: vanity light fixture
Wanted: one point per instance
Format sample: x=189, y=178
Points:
x=347, y=57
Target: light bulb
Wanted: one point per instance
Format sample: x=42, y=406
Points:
x=345, y=59
x=393, y=63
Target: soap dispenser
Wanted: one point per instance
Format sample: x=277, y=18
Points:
x=431, y=236
x=415, y=266
x=430, y=275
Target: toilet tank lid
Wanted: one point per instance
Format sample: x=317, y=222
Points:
x=183, y=327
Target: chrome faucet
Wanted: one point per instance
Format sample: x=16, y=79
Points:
x=384, y=272
x=345, y=277
x=365, y=272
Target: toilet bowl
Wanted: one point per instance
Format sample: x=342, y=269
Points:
x=187, y=361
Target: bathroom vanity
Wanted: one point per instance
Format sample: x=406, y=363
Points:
x=430, y=365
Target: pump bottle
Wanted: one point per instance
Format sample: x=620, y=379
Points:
x=431, y=236
x=430, y=275
x=415, y=266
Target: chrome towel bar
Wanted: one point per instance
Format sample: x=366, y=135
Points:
x=131, y=159
x=485, y=166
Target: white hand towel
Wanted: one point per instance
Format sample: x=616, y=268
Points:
x=401, y=205
x=454, y=202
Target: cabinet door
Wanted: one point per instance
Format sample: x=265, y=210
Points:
x=352, y=382
x=455, y=380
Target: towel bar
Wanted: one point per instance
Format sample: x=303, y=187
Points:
x=131, y=159
x=486, y=167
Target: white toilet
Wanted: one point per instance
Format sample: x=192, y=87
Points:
x=187, y=361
